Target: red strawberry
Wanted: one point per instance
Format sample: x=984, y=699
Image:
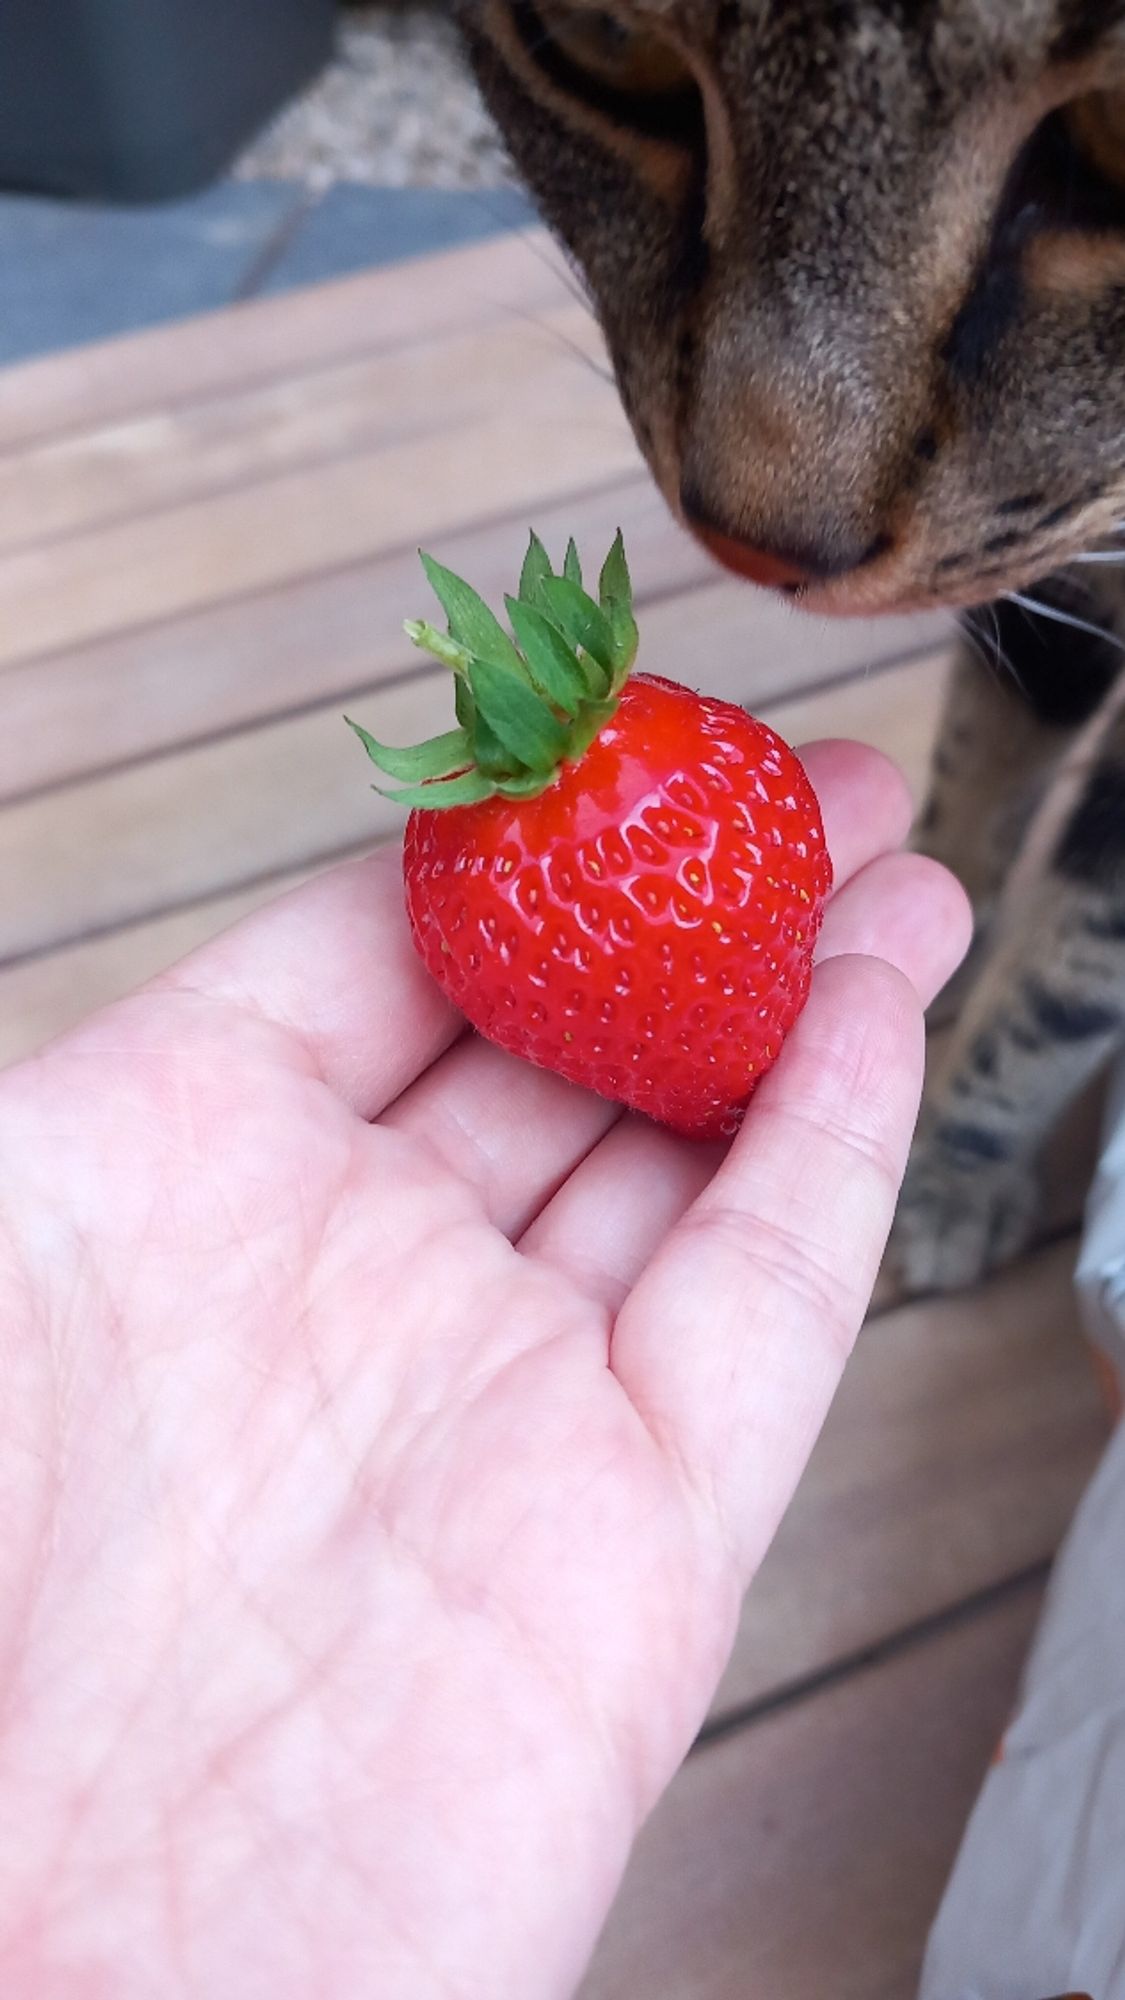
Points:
x=617, y=878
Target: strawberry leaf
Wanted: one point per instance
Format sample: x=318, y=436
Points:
x=581, y=622
x=615, y=585
x=526, y=705
x=536, y=570
x=626, y=640
x=420, y=762
x=615, y=594
x=442, y=645
x=489, y=753
x=464, y=705
x=592, y=723
x=518, y=716
x=471, y=622
x=552, y=664
x=470, y=789
x=527, y=787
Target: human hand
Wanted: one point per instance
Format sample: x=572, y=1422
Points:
x=390, y=1431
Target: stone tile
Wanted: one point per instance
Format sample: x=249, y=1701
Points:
x=71, y=273
x=397, y=108
x=352, y=228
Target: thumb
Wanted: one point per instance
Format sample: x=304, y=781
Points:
x=734, y=1341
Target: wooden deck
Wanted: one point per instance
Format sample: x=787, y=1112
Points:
x=207, y=541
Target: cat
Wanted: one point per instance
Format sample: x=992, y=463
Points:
x=860, y=265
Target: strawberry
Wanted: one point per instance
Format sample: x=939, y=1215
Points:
x=614, y=877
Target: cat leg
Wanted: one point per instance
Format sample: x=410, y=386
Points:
x=1046, y=1015
x=1020, y=690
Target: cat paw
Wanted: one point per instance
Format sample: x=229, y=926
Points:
x=959, y=1219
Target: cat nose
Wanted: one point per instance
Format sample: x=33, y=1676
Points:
x=761, y=565
x=789, y=569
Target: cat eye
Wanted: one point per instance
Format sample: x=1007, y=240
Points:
x=632, y=75
x=630, y=59
x=1096, y=124
x=1063, y=179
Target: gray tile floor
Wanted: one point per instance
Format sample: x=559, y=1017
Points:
x=71, y=272
x=351, y=228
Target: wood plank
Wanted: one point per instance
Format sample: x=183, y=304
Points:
x=330, y=636
x=166, y=457
x=918, y=1493
x=318, y=638
x=41, y=997
x=894, y=709
x=173, y=830
x=804, y=1857
x=563, y=435
x=375, y=312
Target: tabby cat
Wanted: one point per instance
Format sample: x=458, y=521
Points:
x=861, y=269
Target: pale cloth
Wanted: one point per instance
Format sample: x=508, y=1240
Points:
x=1036, y=1903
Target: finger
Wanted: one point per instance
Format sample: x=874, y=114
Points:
x=864, y=801
x=907, y=909
x=734, y=1340
x=511, y=1130
x=615, y=1211
x=602, y=1227
x=334, y=965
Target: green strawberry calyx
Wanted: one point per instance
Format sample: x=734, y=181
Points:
x=527, y=702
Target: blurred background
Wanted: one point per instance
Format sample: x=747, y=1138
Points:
x=272, y=316
x=173, y=157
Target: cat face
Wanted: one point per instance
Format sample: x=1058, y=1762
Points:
x=860, y=265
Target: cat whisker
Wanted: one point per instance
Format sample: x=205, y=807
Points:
x=595, y=367
x=563, y=267
x=571, y=278
x=1008, y=665
x=987, y=659
x=1101, y=556
x=990, y=650
x=560, y=339
x=1034, y=605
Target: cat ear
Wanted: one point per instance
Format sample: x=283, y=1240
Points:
x=1098, y=125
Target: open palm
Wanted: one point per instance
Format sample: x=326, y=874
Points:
x=390, y=1432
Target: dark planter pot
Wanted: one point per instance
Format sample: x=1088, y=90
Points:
x=142, y=100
